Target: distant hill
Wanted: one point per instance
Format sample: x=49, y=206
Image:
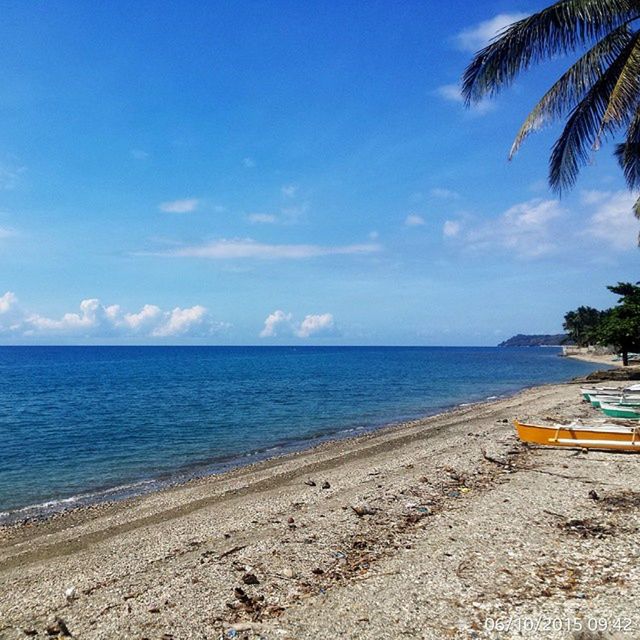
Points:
x=544, y=340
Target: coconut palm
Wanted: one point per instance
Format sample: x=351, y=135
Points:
x=599, y=95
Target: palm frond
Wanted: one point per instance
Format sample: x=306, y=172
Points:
x=628, y=154
x=558, y=29
x=572, y=85
x=624, y=97
x=585, y=123
x=636, y=208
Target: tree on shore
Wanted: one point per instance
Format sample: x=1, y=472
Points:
x=599, y=95
x=620, y=326
x=582, y=325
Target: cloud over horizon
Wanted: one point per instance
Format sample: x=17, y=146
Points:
x=97, y=320
x=281, y=324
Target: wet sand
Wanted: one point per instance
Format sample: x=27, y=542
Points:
x=438, y=528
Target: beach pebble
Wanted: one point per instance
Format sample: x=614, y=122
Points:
x=153, y=608
x=363, y=509
x=310, y=483
x=71, y=593
x=250, y=578
x=326, y=485
x=287, y=572
x=58, y=628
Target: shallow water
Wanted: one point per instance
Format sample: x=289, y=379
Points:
x=84, y=423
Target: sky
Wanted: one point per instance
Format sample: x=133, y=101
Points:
x=285, y=172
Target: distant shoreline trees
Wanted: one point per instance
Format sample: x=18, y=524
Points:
x=618, y=327
x=582, y=325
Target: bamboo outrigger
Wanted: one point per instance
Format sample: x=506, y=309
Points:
x=607, y=436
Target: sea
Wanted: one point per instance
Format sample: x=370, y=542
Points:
x=80, y=425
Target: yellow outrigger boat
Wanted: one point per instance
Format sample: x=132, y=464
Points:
x=618, y=437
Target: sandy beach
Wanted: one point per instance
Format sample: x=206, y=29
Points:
x=446, y=527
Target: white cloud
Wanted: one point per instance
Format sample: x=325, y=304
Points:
x=146, y=317
x=478, y=36
x=450, y=92
x=249, y=249
x=453, y=93
x=444, y=194
x=248, y=163
x=613, y=221
x=91, y=315
x=100, y=321
x=316, y=325
x=262, y=218
x=139, y=154
x=289, y=190
x=186, y=205
x=414, y=220
x=7, y=301
x=451, y=228
x=373, y=235
x=594, y=196
x=180, y=321
x=538, y=227
x=281, y=324
x=524, y=229
x=5, y=232
x=275, y=323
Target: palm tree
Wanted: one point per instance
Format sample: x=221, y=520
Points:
x=582, y=325
x=599, y=95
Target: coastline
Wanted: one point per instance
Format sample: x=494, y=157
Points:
x=604, y=360
x=172, y=562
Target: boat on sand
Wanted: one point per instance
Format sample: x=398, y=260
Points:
x=619, y=410
x=597, y=435
x=589, y=392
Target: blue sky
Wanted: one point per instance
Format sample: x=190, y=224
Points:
x=284, y=173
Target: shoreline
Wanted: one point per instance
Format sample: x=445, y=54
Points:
x=124, y=494
x=278, y=548
x=605, y=360
x=40, y=514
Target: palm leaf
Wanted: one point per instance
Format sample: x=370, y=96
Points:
x=624, y=97
x=573, y=84
x=556, y=30
x=628, y=155
x=585, y=123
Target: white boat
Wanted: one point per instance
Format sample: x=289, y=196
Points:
x=627, y=398
x=587, y=392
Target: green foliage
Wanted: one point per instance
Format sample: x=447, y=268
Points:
x=582, y=325
x=620, y=326
x=599, y=95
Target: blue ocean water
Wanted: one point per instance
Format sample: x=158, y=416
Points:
x=83, y=423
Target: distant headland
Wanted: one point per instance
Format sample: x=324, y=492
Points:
x=542, y=340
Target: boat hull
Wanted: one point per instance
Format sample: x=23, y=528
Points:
x=620, y=411
x=605, y=437
x=627, y=400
